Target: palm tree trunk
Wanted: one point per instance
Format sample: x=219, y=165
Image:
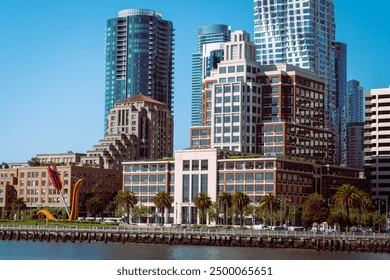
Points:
x=162, y=215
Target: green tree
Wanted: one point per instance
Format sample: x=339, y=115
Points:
x=162, y=200
x=271, y=204
x=346, y=196
x=94, y=206
x=224, y=201
x=19, y=205
x=315, y=210
x=203, y=202
x=142, y=212
x=128, y=200
x=240, y=200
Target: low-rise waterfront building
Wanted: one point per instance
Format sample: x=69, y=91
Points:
x=35, y=186
x=214, y=171
x=8, y=181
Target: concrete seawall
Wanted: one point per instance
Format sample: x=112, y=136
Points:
x=206, y=238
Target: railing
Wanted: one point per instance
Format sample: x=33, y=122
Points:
x=197, y=231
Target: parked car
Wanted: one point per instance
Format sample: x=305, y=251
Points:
x=279, y=228
x=261, y=227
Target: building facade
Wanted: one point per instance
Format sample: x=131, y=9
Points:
x=145, y=179
x=340, y=50
x=139, y=127
x=355, y=145
x=377, y=142
x=301, y=33
x=139, y=58
x=355, y=102
x=8, y=182
x=293, y=122
x=69, y=158
x=215, y=171
x=208, y=55
x=35, y=187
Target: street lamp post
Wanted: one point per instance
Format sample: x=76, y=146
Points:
x=176, y=213
x=294, y=216
x=253, y=216
x=270, y=222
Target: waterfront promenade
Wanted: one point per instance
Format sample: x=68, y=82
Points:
x=373, y=242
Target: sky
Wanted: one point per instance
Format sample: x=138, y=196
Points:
x=52, y=64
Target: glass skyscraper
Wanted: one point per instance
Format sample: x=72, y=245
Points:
x=301, y=33
x=340, y=50
x=208, y=55
x=355, y=102
x=139, y=58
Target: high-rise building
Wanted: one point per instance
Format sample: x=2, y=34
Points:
x=355, y=145
x=354, y=102
x=232, y=97
x=139, y=58
x=301, y=33
x=354, y=120
x=273, y=109
x=340, y=50
x=376, y=142
x=139, y=127
x=208, y=55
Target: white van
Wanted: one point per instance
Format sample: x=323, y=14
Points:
x=261, y=227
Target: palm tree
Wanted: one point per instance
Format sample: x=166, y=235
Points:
x=203, y=202
x=19, y=204
x=225, y=200
x=269, y=203
x=240, y=200
x=94, y=206
x=162, y=200
x=363, y=202
x=346, y=195
x=128, y=199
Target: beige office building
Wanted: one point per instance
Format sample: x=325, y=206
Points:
x=138, y=128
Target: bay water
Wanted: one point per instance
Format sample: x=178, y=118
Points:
x=29, y=250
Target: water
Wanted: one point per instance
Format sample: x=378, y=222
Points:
x=28, y=250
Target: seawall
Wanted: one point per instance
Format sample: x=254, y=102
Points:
x=234, y=238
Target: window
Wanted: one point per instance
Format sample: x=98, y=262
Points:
x=222, y=70
x=229, y=177
x=239, y=177
x=161, y=178
x=186, y=188
x=186, y=165
x=204, y=164
x=231, y=69
x=195, y=165
x=249, y=176
x=269, y=176
x=260, y=176
x=144, y=178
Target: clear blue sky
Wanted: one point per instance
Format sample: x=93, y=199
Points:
x=52, y=63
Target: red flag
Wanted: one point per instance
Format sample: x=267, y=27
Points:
x=54, y=177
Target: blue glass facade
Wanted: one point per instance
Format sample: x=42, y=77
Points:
x=203, y=61
x=139, y=58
